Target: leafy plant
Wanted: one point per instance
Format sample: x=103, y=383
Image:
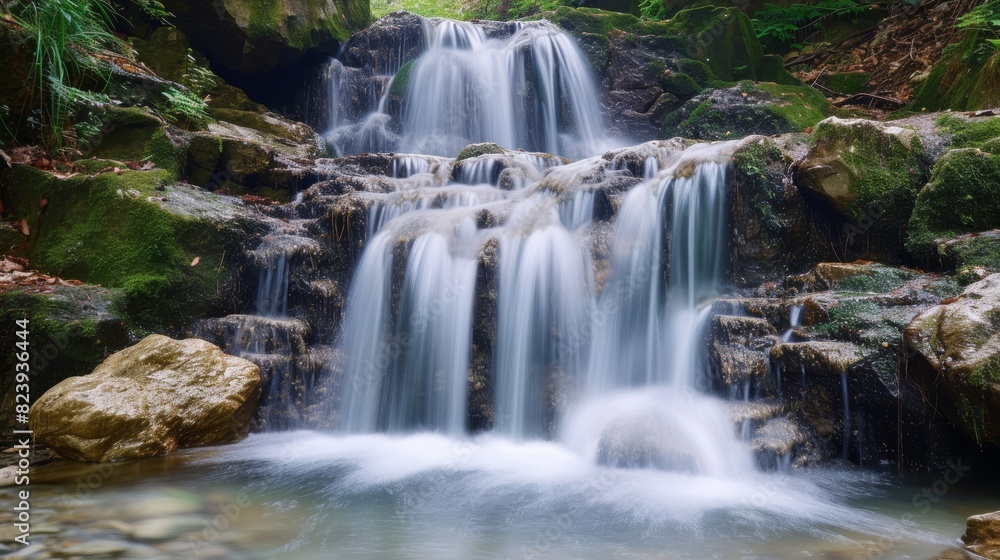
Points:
x=67, y=37
x=783, y=24
x=652, y=9
x=154, y=8
x=184, y=108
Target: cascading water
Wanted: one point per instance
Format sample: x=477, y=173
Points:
x=531, y=89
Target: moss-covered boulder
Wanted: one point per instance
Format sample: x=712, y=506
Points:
x=137, y=231
x=955, y=349
x=959, y=202
x=868, y=173
x=255, y=37
x=745, y=109
x=149, y=399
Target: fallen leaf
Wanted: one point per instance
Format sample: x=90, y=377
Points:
x=23, y=226
x=43, y=203
x=195, y=261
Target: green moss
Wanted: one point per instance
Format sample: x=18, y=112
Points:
x=747, y=109
x=123, y=134
x=697, y=71
x=965, y=78
x=963, y=196
x=987, y=373
x=877, y=279
x=401, y=80
x=847, y=83
x=885, y=174
x=266, y=20
x=110, y=230
x=474, y=150
x=970, y=133
x=161, y=151
x=724, y=38
x=680, y=84
x=800, y=106
x=945, y=287
x=974, y=251
x=753, y=164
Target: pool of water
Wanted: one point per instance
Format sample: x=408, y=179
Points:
x=313, y=495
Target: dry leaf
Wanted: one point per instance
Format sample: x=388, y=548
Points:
x=43, y=203
x=23, y=226
x=195, y=261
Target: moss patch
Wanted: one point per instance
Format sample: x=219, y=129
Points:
x=746, y=109
x=111, y=230
x=971, y=133
x=877, y=279
x=965, y=78
x=963, y=196
x=847, y=83
x=401, y=80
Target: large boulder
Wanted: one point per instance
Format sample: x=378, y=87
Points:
x=868, y=173
x=149, y=399
x=955, y=349
x=257, y=37
x=982, y=535
x=961, y=198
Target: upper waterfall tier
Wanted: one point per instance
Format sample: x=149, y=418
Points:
x=526, y=86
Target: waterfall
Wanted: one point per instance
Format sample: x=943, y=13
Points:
x=532, y=89
x=544, y=292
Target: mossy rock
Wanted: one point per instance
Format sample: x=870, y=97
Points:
x=401, y=80
x=168, y=152
x=475, y=150
x=135, y=231
x=845, y=83
x=955, y=356
x=623, y=6
x=124, y=133
x=746, y=109
x=965, y=78
x=964, y=132
x=962, y=197
x=773, y=234
x=869, y=174
x=165, y=52
x=680, y=84
x=724, y=39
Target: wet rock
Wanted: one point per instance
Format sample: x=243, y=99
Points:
x=738, y=349
x=823, y=357
x=149, y=399
x=774, y=231
x=982, y=535
x=868, y=173
x=956, y=347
